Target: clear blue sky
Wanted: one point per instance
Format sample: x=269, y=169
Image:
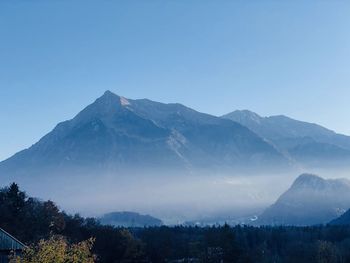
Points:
x=272, y=57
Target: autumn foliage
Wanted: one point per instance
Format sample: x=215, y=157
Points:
x=57, y=250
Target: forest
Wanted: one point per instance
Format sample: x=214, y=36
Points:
x=31, y=220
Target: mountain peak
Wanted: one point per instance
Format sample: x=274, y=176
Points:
x=245, y=113
x=103, y=107
x=109, y=94
x=244, y=117
x=109, y=97
x=305, y=177
x=315, y=182
x=248, y=112
x=308, y=180
x=310, y=200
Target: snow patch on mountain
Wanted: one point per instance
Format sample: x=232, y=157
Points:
x=124, y=101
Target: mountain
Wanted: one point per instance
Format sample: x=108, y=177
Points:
x=307, y=143
x=310, y=200
x=129, y=219
x=115, y=133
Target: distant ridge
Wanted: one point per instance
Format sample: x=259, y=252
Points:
x=310, y=200
x=308, y=144
x=129, y=219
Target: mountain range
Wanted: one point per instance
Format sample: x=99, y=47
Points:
x=115, y=136
x=308, y=144
x=114, y=133
x=311, y=200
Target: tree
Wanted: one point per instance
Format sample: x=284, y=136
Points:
x=12, y=203
x=133, y=247
x=57, y=250
x=326, y=252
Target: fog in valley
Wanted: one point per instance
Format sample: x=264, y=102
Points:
x=173, y=197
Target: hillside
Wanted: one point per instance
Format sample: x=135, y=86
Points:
x=129, y=219
x=310, y=200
